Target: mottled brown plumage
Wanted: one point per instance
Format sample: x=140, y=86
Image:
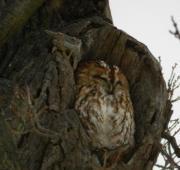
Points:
x=104, y=106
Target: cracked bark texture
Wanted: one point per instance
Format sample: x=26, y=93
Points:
x=32, y=82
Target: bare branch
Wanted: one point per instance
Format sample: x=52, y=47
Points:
x=169, y=159
x=172, y=141
x=160, y=166
x=176, y=33
x=173, y=84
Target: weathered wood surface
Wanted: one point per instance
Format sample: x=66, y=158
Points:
x=34, y=77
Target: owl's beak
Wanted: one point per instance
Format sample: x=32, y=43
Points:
x=110, y=89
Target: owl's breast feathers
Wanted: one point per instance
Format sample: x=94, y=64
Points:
x=106, y=116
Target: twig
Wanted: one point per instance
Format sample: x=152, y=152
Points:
x=172, y=141
x=160, y=166
x=169, y=158
x=176, y=33
x=173, y=84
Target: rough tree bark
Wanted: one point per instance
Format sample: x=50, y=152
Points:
x=39, y=127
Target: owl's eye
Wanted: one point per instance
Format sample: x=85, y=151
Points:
x=100, y=77
x=119, y=83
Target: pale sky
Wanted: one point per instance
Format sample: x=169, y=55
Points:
x=149, y=21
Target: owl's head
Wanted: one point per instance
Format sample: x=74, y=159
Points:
x=92, y=72
x=98, y=74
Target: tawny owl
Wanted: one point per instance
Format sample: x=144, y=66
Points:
x=104, y=105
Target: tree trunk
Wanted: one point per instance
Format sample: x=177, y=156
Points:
x=39, y=126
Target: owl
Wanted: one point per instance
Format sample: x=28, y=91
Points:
x=104, y=105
